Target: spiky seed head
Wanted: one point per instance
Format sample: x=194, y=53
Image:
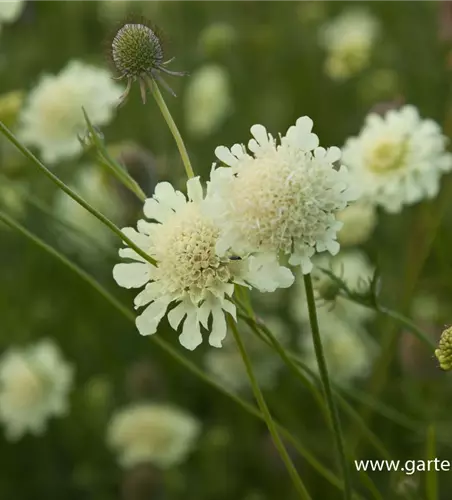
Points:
x=444, y=351
x=136, y=50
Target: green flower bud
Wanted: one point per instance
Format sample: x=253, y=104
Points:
x=137, y=54
x=444, y=351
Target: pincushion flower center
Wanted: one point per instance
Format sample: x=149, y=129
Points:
x=386, y=155
x=186, y=253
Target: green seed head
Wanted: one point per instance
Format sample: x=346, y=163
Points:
x=136, y=50
x=444, y=351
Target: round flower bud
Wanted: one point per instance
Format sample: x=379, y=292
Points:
x=444, y=351
x=137, y=54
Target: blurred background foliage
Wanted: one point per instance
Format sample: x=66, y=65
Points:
x=275, y=68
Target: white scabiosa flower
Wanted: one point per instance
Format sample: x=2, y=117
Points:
x=348, y=41
x=398, y=159
x=207, y=100
x=152, y=433
x=280, y=198
x=354, y=269
x=53, y=117
x=10, y=10
x=349, y=352
x=190, y=272
x=359, y=221
x=34, y=386
x=227, y=364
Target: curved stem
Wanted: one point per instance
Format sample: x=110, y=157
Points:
x=267, y=415
x=172, y=126
x=172, y=352
x=323, y=370
x=107, y=222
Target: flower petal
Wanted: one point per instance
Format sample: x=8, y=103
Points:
x=148, y=321
x=191, y=337
x=131, y=275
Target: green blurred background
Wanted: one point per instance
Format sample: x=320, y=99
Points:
x=275, y=66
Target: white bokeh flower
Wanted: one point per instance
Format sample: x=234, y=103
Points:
x=398, y=159
x=355, y=270
x=349, y=40
x=10, y=10
x=190, y=272
x=92, y=184
x=280, y=198
x=52, y=116
x=34, y=386
x=152, y=432
x=227, y=364
x=359, y=221
x=349, y=352
x=207, y=100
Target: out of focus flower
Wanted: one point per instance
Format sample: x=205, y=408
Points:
x=91, y=183
x=207, y=100
x=154, y=433
x=190, y=272
x=216, y=38
x=53, y=117
x=349, y=352
x=10, y=10
x=359, y=221
x=349, y=41
x=354, y=269
x=10, y=106
x=34, y=386
x=281, y=198
x=227, y=364
x=13, y=197
x=398, y=159
x=444, y=351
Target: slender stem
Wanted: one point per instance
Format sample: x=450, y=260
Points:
x=172, y=126
x=107, y=222
x=172, y=352
x=267, y=416
x=323, y=371
x=106, y=161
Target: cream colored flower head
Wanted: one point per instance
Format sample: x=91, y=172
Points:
x=355, y=270
x=10, y=10
x=52, y=117
x=155, y=433
x=280, y=198
x=34, y=386
x=190, y=274
x=207, y=100
x=398, y=159
x=359, y=221
x=349, y=40
x=349, y=351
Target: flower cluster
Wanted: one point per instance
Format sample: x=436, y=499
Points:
x=34, y=386
x=349, y=41
x=279, y=199
x=53, y=117
x=398, y=159
x=151, y=432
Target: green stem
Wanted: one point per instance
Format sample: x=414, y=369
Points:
x=323, y=370
x=107, y=222
x=192, y=367
x=106, y=161
x=172, y=126
x=301, y=489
